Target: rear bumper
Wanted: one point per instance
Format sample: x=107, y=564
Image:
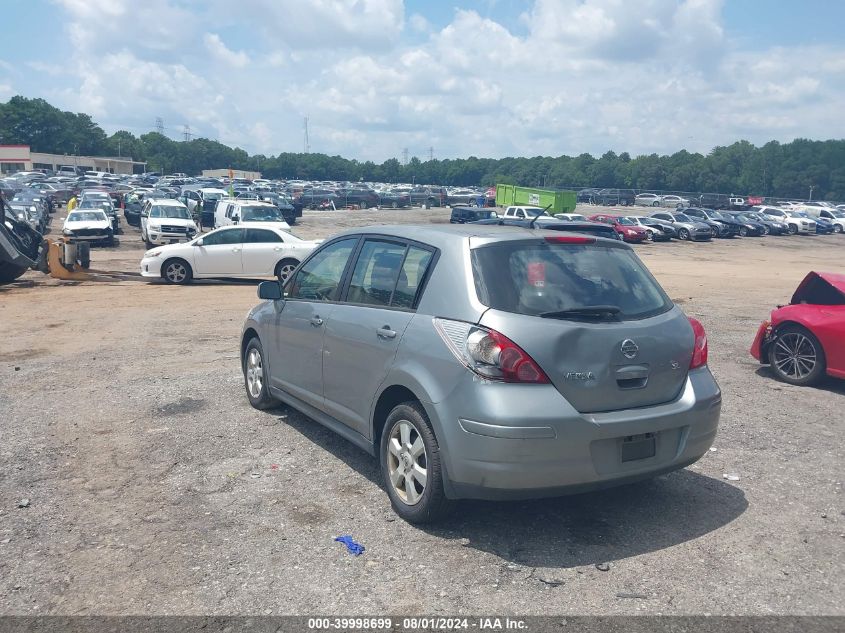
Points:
x=526, y=441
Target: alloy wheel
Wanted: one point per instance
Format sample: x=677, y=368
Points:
x=285, y=271
x=254, y=373
x=795, y=355
x=407, y=462
x=176, y=272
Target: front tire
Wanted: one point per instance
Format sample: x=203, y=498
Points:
x=743, y=232
x=255, y=376
x=176, y=271
x=797, y=357
x=837, y=228
x=683, y=234
x=793, y=229
x=410, y=465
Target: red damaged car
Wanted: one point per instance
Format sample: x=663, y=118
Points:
x=627, y=229
x=805, y=340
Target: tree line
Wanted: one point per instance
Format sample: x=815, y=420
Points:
x=788, y=170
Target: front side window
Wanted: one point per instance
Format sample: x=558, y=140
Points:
x=319, y=278
x=227, y=236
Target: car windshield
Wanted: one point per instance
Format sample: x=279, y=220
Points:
x=800, y=214
x=625, y=221
x=535, y=277
x=261, y=213
x=212, y=196
x=86, y=216
x=838, y=214
x=96, y=204
x=682, y=217
x=169, y=211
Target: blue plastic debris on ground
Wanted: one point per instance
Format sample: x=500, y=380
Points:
x=354, y=548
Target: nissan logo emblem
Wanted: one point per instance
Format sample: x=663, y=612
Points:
x=629, y=348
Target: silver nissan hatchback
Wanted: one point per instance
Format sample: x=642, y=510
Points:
x=486, y=362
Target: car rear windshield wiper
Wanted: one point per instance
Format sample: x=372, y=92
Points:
x=588, y=312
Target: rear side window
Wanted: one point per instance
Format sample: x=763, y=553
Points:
x=261, y=236
x=413, y=273
x=388, y=274
x=531, y=277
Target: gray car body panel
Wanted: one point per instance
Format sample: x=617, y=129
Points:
x=498, y=440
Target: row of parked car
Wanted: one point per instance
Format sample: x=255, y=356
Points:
x=690, y=224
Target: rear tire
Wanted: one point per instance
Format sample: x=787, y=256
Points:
x=743, y=232
x=176, y=271
x=837, y=228
x=284, y=269
x=793, y=230
x=683, y=234
x=255, y=376
x=410, y=465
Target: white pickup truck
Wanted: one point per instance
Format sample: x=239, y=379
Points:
x=526, y=213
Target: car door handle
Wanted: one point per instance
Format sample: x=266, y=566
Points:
x=277, y=249
x=236, y=250
x=316, y=321
x=386, y=332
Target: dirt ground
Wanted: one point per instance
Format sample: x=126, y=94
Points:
x=154, y=488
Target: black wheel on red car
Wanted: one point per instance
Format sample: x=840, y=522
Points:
x=796, y=356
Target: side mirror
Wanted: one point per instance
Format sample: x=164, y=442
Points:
x=236, y=218
x=198, y=242
x=270, y=290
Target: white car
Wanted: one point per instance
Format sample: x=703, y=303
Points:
x=647, y=200
x=255, y=250
x=795, y=224
x=88, y=225
x=166, y=221
x=571, y=217
x=674, y=201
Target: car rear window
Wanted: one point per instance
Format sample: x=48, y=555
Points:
x=533, y=277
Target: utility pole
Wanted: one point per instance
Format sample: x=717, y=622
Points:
x=307, y=141
x=811, y=192
x=405, y=156
x=187, y=132
x=160, y=125
x=118, y=149
x=430, y=153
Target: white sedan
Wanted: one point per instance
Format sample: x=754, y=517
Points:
x=647, y=200
x=673, y=201
x=257, y=250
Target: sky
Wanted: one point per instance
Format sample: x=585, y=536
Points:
x=442, y=78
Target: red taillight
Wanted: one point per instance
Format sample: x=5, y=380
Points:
x=571, y=239
x=514, y=363
x=699, y=350
x=488, y=353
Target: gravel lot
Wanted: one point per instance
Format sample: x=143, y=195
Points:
x=154, y=488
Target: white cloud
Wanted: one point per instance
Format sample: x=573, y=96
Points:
x=220, y=52
x=570, y=76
